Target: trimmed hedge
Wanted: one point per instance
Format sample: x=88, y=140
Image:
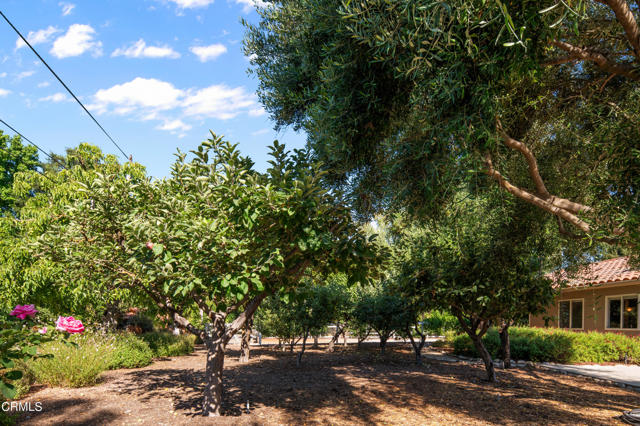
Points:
x=556, y=345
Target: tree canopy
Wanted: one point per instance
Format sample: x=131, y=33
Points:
x=216, y=237
x=405, y=100
x=14, y=158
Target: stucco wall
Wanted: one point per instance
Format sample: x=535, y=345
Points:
x=593, y=306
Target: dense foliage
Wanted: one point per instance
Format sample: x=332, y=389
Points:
x=216, y=237
x=26, y=274
x=561, y=346
x=482, y=271
x=15, y=157
x=405, y=100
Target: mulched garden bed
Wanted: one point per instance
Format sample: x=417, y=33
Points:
x=344, y=387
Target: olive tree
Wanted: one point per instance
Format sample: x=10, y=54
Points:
x=216, y=236
x=404, y=100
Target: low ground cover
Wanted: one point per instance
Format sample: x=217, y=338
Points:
x=556, y=345
x=347, y=386
x=89, y=355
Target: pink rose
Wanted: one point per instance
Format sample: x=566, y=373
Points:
x=149, y=245
x=43, y=330
x=69, y=324
x=24, y=311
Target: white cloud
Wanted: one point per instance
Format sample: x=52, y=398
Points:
x=140, y=93
x=56, y=97
x=3, y=74
x=66, y=8
x=260, y=132
x=249, y=5
x=208, y=53
x=4, y=92
x=174, y=125
x=148, y=99
x=139, y=49
x=38, y=37
x=257, y=112
x=219, y=101
x=24, y=74
x=77, y=40
x=44, y=84
x=192, y=4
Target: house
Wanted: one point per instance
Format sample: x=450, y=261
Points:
x=602, y=297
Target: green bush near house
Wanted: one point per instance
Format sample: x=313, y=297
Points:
x=555, y=345
x=166, y=344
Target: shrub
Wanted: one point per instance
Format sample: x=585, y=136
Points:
x=438, y=323
x=166, y=344
x=130, y=351
x=73, y=365
x=554, y=345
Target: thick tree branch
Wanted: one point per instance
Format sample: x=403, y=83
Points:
x=559, y=61
x=534, y=172
x=624, y=15
x=533, y=199
x=239, y=322
x=599, y=59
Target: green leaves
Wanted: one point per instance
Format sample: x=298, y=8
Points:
x=158, y=249
x=7, y=389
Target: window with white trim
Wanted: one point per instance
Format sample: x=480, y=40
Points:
x=570, y=313
x=622, y=312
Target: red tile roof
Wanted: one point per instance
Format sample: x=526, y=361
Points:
x=599, y=273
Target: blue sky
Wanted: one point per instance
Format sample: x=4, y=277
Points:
x=158, y=74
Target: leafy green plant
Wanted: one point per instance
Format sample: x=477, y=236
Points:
x=216, y=237
x=21, y=334
x=74, y=365
x=162, y=343
x=438, y=322
x=555, y=345
x=129, y=351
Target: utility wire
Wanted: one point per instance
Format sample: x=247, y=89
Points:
x=64, y=85
x=32, y=143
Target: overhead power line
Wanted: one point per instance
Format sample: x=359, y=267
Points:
x=40, y=149
x=64, y=85
x=32, y=143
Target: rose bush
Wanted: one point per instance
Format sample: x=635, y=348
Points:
x=20, y=336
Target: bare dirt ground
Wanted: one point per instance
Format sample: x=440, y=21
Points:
x=345, y=387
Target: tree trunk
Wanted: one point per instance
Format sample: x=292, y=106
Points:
x=383, y=343
x=362, y=339
x=486, y=357
x=304, y=344
x=315, y=342
x=417, y=346
x=344, y=337
x=213, y=376
x=505, y=346
x=335, y=338
x=245, y=348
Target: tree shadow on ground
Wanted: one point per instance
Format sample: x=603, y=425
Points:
x=362, y=387
x=77, y=411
